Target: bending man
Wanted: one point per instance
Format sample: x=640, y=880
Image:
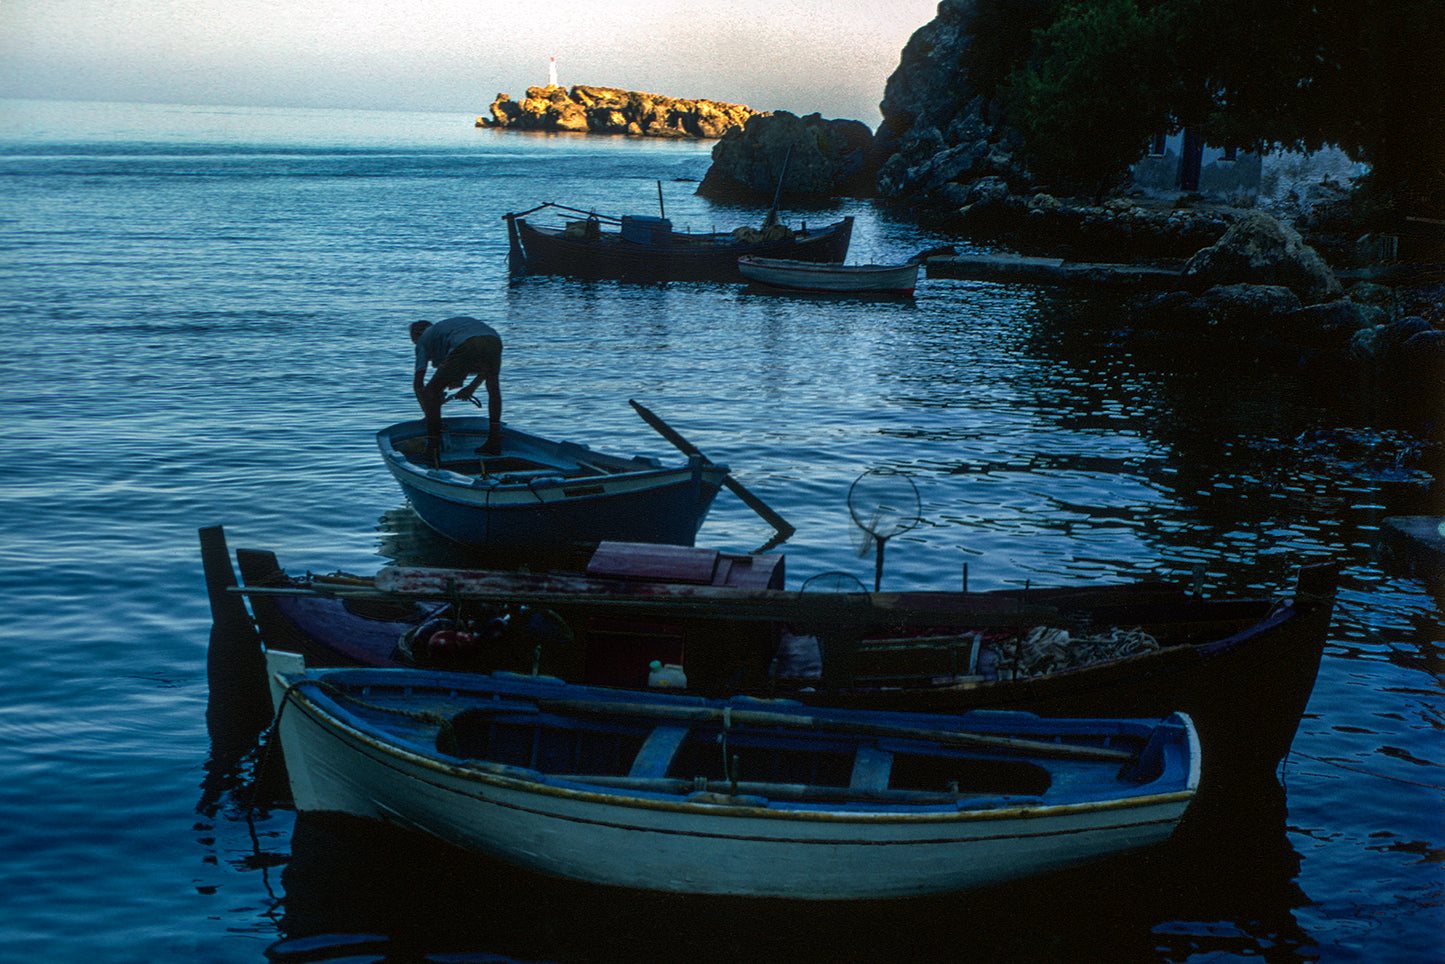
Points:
x=458, y=347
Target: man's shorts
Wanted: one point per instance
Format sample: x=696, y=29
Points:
x=475, y=356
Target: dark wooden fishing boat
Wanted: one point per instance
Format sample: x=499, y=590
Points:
x=648, y=248
x=342, y=619
x=1242, y=668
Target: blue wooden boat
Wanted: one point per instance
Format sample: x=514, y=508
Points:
x=648, y=248
x=539, y=494
x=664, y=792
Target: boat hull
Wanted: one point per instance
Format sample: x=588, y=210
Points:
x=792, y=275
x=708, y=843
x=1243, y=669
x=1245, y=690
x=559, y=502
x=673, y=256
x=316, y=619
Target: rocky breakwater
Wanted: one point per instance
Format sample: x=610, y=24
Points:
x=1246, y=279
x=1260, y=287
x=607, y=110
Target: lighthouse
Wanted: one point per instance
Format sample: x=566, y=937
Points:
x=552, y=72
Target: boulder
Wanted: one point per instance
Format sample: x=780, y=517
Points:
x=608, y=110
x=1410, y=349
x=989, y=207
x=1259, y=250
x=1424, y=352
x=1246, y=310
x=1330, y=326
x=1375, y=295
x=825, y=158
x=1234, y=311
x=1426, y=301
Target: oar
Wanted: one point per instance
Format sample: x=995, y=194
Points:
x=707, y=714
x=785, y=529
x=808, y=792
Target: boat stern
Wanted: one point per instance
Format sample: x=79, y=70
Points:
x=282, y=668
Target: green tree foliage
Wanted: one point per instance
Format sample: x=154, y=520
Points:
x=1096, y=78
x=1001, y=37
x=1367, y=76
x=1097, y=86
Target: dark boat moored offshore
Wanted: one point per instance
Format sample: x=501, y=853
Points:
x=647, y=248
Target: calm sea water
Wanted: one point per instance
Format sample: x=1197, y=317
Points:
x=202, y=321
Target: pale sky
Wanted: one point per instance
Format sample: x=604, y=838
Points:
x=829, y=56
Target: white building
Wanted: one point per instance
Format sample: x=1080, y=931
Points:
x=1181, y=163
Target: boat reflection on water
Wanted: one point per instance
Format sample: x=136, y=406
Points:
x=1231, y=887
x=1224, y=883
x=404, y=540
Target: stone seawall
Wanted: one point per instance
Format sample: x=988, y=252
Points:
x=607, y=110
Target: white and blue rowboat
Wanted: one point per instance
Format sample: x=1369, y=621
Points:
x=540, y=494
x=671, y=792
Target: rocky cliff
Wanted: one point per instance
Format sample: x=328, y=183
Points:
x=934, y=143
x=607, y=110
x=936, y=134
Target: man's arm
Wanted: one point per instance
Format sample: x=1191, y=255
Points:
x=466, y=393
x=494, y=394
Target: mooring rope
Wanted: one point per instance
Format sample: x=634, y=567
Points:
x=446, y=737
x=1368, y=773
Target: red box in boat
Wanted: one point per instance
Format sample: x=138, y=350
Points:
x=646, y=562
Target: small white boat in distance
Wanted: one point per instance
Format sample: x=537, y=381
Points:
x=835, y=278
x=896, y=279
x=673, y=792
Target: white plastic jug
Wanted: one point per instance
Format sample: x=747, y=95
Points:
x=666, y=675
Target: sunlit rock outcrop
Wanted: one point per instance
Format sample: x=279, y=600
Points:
x=608, y=110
